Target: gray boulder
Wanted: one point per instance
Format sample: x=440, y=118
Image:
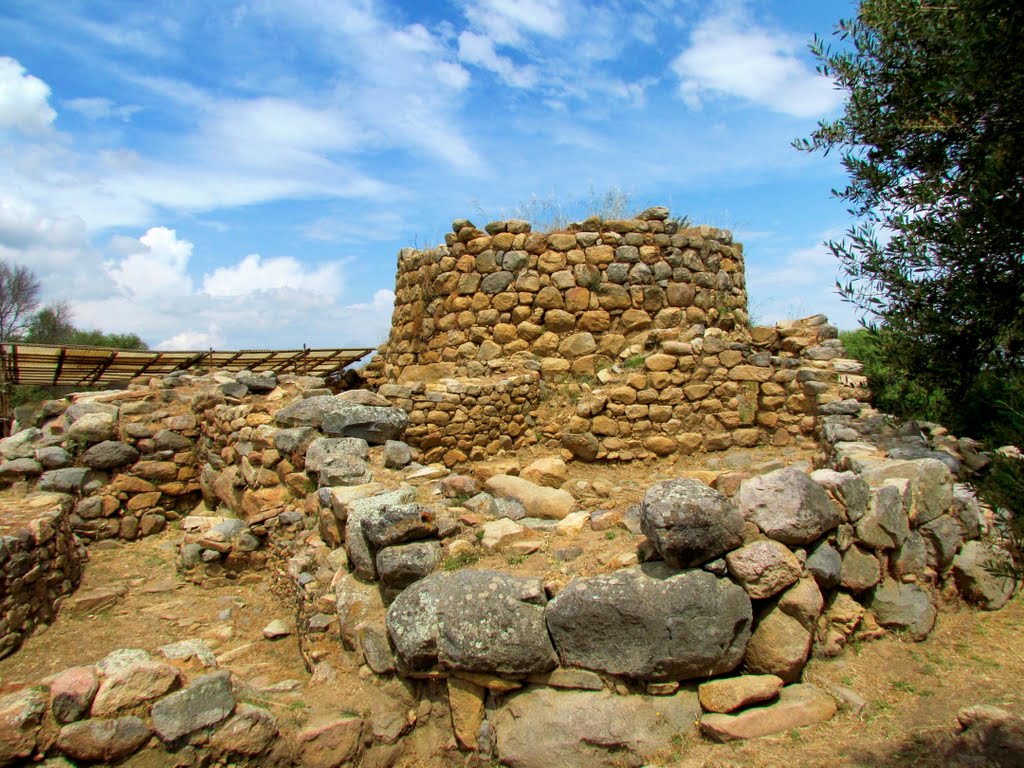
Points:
x=847, y=488
x=475, y=621
x=257, y=382
x=206, y=701
x=689, y=522
x=16, y=469
x=324, y=450
x=904, y=606
x=361, y=555
x=861, y=569
x=294, y=439
x=87, y=408
x=396, y=454
x=972, y=572
x=651, y=623
x=763, y=568
x=346, y=470
x=825, y=564
x=110, y=454
x=549, y=728
x=92, y=428
x=168, y=440
x=405, y=564
x=67, y=480
x=399, y=523
x=21, y=445
x=886, y=523
x=53, y=457
x=308, y=412
x=930, y=479
x=942, y=540
x=374, y=424
x=788, y=506
x=967, y=511
x=911, y=558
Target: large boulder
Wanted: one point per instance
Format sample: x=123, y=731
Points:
x=780, y=645
x=548, y=728
x=973, y=573
x=92, y=428
x=352, y=513
x=798, y=706
x=21, y=445
x=788, y=506
x=689, y=522
x=763, y=568
x=475, y=621
x=930, y=479
x=651, y=623
x=374, y=424
x=537, y=500
x=905, y=607
x=324, y=450
x=886, y=524
x=110, y=454
x=308, y=412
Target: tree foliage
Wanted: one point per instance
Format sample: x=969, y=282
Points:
x=19, y=296
x=932, y=139
x=53, y=325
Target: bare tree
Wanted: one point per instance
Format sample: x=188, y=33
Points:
x=19, y=296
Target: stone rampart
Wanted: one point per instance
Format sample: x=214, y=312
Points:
x=569, y=298
x=41, y=562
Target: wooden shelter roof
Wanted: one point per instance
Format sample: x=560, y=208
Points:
x=74, y=366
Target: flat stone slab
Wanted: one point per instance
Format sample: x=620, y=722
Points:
x=798, y=705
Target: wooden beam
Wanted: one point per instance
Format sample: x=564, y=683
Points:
x=102, y=367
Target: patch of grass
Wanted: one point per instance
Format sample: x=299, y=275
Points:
x=461, y=498
x=636, y=361
x=515, y=559
x=479, y=535
x=847, y=680
x=460, y=560
x=903, y=685
x=610, y=535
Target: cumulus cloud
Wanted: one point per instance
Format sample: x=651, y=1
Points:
x=730, y=55
x=254, y=274
x=24, y=100
x=255, y=302
x=157, y=269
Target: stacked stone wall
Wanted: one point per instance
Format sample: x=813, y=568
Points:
x=569, y=298
x=455, y=420
x=40, y=563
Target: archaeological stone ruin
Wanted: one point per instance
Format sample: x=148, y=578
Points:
x=406, y=541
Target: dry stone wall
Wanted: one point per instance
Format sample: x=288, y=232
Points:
x=455, y=420
x=41, y=563
x=570, y=299
x=650, y=319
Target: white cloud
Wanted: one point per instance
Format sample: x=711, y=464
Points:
x=506, y=20
x=156, y=270
x=98, y=108
x=729, y=55
x=255, y=274
x=24, y=100
x=479, y=50
x=190, y=340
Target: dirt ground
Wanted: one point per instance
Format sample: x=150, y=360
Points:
x=913, y=690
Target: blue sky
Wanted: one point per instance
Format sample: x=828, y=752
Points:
x=242, y=174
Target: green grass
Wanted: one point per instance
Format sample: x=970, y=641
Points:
x=461, y=560
x=636, y=361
